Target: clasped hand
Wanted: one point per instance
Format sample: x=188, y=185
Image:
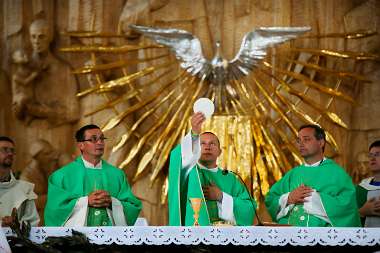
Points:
x=370, y=208
x=298, y=195
x=99, y=198
x=7, y=221
x=212, y=192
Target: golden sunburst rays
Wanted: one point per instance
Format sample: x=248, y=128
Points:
x=257, y=116
x=115, y=65
x=340, y=54
x=107, y=49
x=169, y=117
x=350, y=35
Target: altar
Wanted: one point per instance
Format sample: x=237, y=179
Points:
x=210, y=239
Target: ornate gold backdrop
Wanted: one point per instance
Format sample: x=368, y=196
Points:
x=298, y=83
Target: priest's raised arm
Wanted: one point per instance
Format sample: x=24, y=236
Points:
x=194, y=173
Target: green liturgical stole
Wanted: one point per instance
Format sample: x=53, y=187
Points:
x=185, y=184
x=96, y=216
x=212, y=206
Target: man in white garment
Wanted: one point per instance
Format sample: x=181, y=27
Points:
x=194, y=173
x=368, y=191
x=14, y=193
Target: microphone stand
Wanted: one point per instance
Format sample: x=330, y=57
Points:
x=225, y=172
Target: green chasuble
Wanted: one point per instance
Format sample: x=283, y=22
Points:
x=185, y=184
x=73, y=181
x=94, y=181
x=334, y=187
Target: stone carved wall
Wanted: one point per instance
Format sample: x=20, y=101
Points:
x=210, y=20
x=365, y=118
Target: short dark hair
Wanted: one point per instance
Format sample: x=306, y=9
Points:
x=212, y=134
x=6, y=138
x=374, y=144
x=319, y=133
x=79, y=135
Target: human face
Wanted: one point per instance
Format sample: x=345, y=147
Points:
x=39, y=38
x=7, y=153
x=93, y=146
x=210, y=149
x=310, y=148
x=374, y=159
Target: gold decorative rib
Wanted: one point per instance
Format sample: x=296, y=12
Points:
x=331, y=71
x=116, y=120
x=275, y=106
x=339, y=54
x=137, y=147
x=129, y=95
x=311, y=83
x=329, y=115
x=148, y=156
x=124, y=137
x=107, y=49
x=93, y=34
x=351, y=35
x=114, y=65
x=169, y=144
x=123, y=81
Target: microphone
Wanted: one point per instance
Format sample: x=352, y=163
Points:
x=225, y=172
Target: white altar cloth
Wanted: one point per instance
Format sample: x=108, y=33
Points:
x=165, y=235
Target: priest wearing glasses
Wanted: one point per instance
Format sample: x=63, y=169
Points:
x=317, y=193
x=89, y=191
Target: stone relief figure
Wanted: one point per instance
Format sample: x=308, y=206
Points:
x=22, y=84
x=5, y=101
x=54, y=80
x=360, y=166
x=45, y=160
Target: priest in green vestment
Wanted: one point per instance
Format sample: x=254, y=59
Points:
x=193, y=173
x=368, y=191
x=89, y=191
x=317, y=193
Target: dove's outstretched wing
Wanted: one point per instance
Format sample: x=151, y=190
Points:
x=255, y=44
x=187, y=48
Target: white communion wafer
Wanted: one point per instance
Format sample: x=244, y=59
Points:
x=205, y=106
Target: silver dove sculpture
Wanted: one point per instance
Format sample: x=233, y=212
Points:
x=188, y=50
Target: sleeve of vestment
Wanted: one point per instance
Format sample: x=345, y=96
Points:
x=339, y=200
x=275, y=194
x=60, y=202
x=244, y=206
x=132, y=205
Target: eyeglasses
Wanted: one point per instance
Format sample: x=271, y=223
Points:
x=304, y=140
x=374, y=155
x=7, y=150
x=211, y=144
x=95, y=139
